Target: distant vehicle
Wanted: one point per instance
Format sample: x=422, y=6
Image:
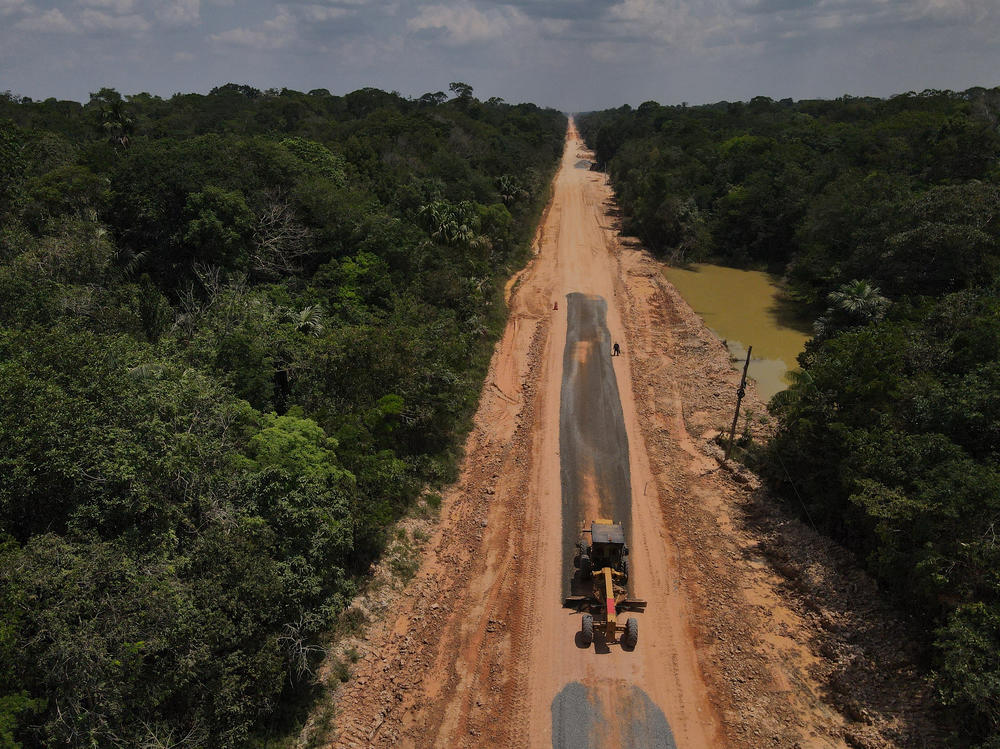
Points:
x=603, y=564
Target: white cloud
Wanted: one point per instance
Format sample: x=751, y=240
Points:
x=115, y=6
x=51, y=22
x=344, y=4
x=273, y=34
x=973, y=11
x=96, y=20
x=555, y=26
x=90, y=19
x=842, y=14
x=672, y=23
x=183, y=57
x=464, y=23
x=179, y=12
x=9, y=7
x=320, y=13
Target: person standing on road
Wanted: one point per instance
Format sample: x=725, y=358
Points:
x=617, y=350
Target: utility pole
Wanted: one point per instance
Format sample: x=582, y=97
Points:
x=739, y=399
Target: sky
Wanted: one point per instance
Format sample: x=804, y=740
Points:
x=574, y=55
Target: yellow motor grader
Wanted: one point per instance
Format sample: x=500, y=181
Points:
x=603, y=565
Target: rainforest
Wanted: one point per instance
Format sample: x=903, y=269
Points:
x=240, y=334
x=248, y=338
x=882, y=214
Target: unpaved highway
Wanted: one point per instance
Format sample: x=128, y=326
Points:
x=478, y=650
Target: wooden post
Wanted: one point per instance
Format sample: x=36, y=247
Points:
x=739, y=399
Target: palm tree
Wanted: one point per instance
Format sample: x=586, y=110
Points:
x=510, y=190
x=433, y=215
x=310, y=321
x=117, y=123
x=453, y=224
x=854, y=304
x=859, y=299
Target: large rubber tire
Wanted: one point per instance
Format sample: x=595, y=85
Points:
x=625, y=569
x=585, y=568
x=631, y=632
x=587, y=629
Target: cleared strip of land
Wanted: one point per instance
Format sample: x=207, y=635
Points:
x=748, y=628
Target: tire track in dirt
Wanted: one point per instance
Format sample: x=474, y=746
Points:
x=596, y=483
x=447, y=657
x=480, y=636
x=758, y=632
x=664, y=665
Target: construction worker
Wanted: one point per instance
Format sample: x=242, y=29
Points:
x=617, y=350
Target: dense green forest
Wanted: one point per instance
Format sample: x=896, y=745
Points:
x=239, y=334
x=884, y=216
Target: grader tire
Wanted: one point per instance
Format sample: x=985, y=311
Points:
x=631, y=632
x=625, y=570
x=587, y=629
x=585, y=567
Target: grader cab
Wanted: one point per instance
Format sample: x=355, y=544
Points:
x=602, y=566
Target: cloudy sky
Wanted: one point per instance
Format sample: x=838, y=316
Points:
x=571, y=54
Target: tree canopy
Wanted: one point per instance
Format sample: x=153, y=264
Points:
x=883, y=216
x=239, y=334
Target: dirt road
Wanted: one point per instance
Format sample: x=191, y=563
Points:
x=595, y=465
x=478, y=650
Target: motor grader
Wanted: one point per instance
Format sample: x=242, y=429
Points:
x=602, y=570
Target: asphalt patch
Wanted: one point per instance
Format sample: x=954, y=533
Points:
x=593, y=444
x=618, y=714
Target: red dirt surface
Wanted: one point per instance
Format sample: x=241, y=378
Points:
x=758, y=632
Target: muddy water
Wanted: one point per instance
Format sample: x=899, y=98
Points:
x=745, y=308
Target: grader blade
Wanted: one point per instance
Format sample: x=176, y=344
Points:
x=632, y=604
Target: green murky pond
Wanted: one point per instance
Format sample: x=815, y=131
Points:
x=746, y=308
